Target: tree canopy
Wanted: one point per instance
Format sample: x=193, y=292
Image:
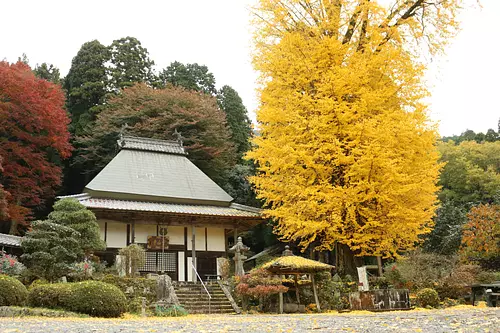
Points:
x=50, y=248
x=157, y=113
x=35, y=137
x=130, y=63
x=346, y=153
x=237, y=118
x=190, y=76
x=48, y=72
x=71, y=213
x=86, y=85
x=481, y=238
x=471, y=174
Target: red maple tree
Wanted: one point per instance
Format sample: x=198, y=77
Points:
x=33, y=138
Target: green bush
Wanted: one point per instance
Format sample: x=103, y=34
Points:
x=49, y=295
x=94, y=298
x=97, y=299
x=135, y=305
x=12, y=292
x=488, y=277
x=171, y=311
x=427, y=297
x=133, y=287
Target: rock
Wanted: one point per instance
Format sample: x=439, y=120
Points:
x=165, y=292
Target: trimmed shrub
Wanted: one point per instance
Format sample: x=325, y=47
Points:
x=94, y=298
x=49, y=295
x=428, y=297
x=97, y=299
x=12, y=292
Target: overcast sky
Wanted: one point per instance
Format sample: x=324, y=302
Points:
x=216, y=33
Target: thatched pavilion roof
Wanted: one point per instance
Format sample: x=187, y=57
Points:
x=291, y=264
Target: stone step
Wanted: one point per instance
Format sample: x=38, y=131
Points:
x=206, y=311
x=197, y=292
x=204, y=300
x=206, y=308
x=194, y=299
x=196, y=303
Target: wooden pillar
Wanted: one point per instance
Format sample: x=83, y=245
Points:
x=315, y=293
x=193, y=253
x=297, y=290
x=280, y=310
x=379, y=264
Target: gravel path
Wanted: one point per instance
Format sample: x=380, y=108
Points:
x=449, y=320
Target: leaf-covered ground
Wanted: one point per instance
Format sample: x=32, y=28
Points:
x=450, y=320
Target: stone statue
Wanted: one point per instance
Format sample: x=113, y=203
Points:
x=239, y=258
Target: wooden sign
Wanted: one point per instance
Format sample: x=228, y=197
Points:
x=156, y=242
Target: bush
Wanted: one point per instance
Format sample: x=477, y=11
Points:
x=90, y=297
x=488, y=277
x=171, y=311
x=12, y=292
x=133, y=287
x=49, y=295
x=428, y=297
x=9, y=265
x=456, y=285
x=419, y=270
x=97, y=299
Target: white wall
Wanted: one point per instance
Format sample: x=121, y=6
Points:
x=190, y=269
x=216, y=239
x=180, y=261
x=142, y=231
x=176, y=235
x=200, y=238
x=116, y=235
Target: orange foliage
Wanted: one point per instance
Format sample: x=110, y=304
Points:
x=481, y=234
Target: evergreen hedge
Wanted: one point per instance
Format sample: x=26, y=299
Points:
x=12, y=292
x=94, y=298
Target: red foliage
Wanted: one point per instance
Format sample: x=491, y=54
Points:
x=34, y=135
x=259, y=283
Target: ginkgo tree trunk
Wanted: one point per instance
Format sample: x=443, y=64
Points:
x=346, y=152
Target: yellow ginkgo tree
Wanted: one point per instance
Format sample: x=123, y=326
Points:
x=346, y=153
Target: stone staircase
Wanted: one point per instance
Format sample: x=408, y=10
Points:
x=194, y=298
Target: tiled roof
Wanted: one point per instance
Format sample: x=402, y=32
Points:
x=153, y=176
x=10, y=240
x=146, y=144
x=234, y=210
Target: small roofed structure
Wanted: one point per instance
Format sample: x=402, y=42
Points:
x=10, y=244
x=289, y=264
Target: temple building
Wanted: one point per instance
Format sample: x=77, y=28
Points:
x=152, y=194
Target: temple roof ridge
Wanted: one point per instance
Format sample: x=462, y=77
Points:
x=149, y=144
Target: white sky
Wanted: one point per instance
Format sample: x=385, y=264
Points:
x=216, y=33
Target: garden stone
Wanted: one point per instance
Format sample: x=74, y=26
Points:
x=165, y=292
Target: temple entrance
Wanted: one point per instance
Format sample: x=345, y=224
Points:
x=206, y=266
x=156, y=262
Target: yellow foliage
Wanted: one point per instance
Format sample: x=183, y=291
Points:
x=296, y=263
x=346, y=152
